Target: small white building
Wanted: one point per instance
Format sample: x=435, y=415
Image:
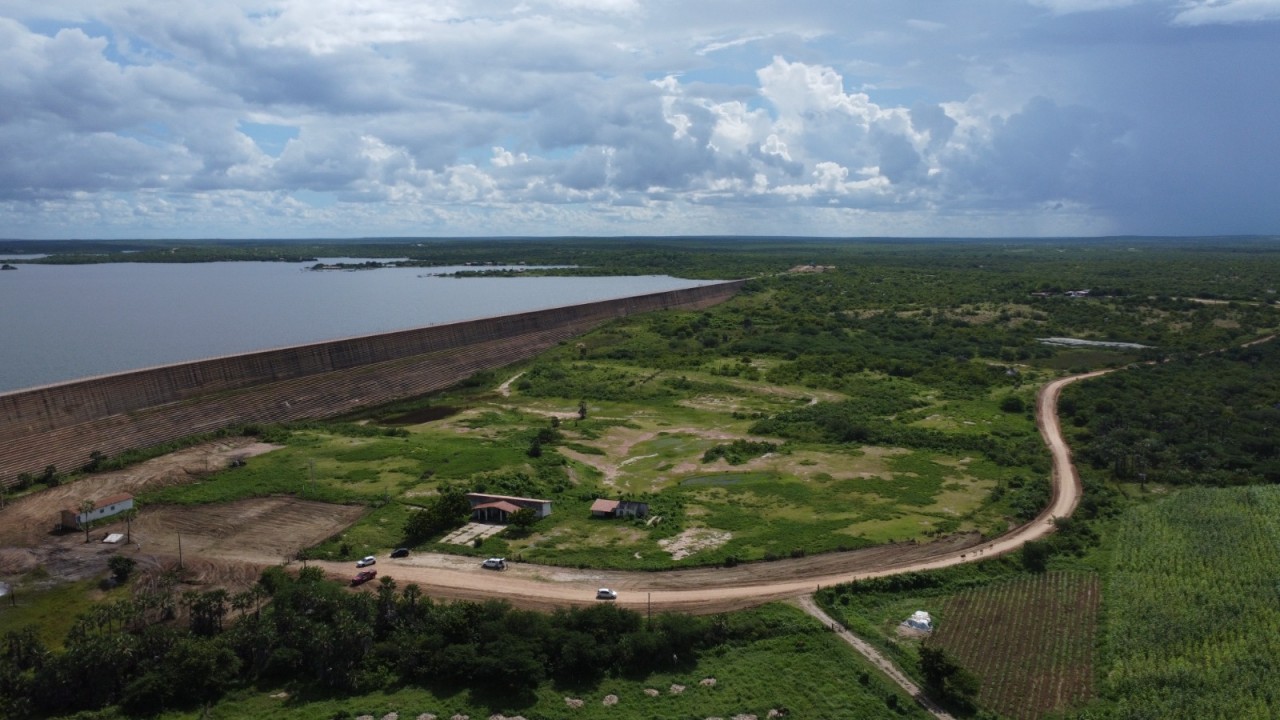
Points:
x=920, y=620
x=74, y=519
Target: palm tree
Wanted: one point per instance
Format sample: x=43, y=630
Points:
x=86, y=507
x=129, y=516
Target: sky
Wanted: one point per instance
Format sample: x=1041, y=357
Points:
x=456, y=118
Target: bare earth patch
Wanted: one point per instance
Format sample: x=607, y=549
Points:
x=16, y=561
x=242, y=530
x=505, y=388
x=26, y=522
x=694, y=540
x=224, y=536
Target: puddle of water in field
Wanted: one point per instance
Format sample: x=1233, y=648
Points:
x=423, y=415
x=725, y=479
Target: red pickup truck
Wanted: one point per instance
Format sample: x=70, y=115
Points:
x=363, y=577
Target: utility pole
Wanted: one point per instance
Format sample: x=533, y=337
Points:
x=650, y=596
x=179, y=549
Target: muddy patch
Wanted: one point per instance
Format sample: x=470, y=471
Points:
x=422, y=415
x=694, y=540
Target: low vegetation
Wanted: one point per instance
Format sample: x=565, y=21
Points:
x=886, y=398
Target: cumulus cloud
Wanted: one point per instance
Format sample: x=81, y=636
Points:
x=562, y=116
x=1044, y=152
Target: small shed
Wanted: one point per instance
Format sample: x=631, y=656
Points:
x=73, y=519
x=604, y=508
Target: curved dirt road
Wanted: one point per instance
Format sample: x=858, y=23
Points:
x=708, y=590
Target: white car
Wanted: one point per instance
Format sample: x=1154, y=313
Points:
x=366, y=561
x=606, y=594
x=494, y=564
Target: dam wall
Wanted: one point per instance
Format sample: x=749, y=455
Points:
x=63, y=424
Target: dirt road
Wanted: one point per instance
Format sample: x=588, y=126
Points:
x=884, y=664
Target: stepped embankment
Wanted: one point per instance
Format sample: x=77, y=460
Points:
x=63, y=424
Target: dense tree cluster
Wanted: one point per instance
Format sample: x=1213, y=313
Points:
x=446, y=511
x=738, y=451
x=1207, y=420
x=304, y=628
x=946, y=679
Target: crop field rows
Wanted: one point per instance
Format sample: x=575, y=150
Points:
x=1192, y=617
x=1031, y=641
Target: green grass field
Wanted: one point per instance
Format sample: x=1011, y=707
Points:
x=52, y=609
x=650, y=445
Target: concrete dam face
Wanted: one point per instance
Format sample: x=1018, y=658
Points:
x=63, y=424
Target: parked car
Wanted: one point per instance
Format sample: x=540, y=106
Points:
x=606, y=594
x=366, y=561
x=363, y=576
x=400, y=552
x=494, y=564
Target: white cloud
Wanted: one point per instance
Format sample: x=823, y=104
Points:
x=1227, y=12
x=717, y=46
x=1066, y=7
x=562, y=116
x=799, y=88
x=926, y=25
x=504, y=158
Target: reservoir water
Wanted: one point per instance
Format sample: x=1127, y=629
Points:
x=63, y=322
